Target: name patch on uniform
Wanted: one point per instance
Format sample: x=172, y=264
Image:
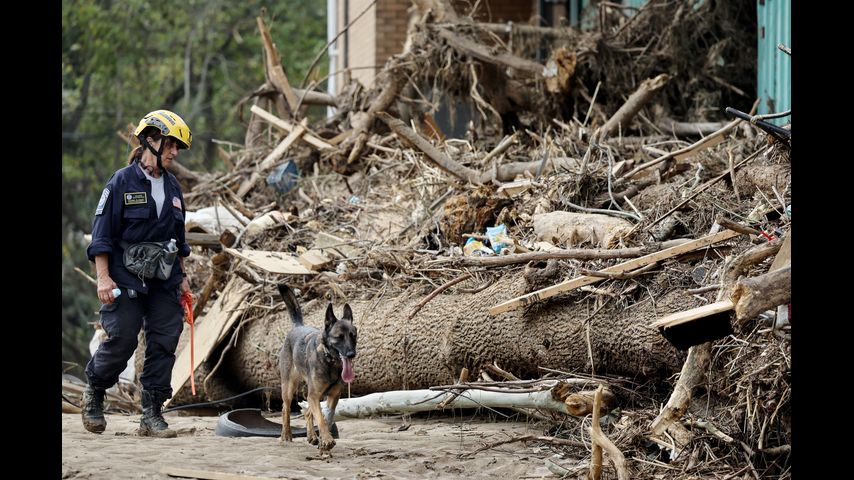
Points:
x=103, y=201
x=136, y=198
x=176, y=202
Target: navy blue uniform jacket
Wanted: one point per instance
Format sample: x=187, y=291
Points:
x=127, y=212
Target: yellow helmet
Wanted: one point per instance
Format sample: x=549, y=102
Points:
x=169, y=124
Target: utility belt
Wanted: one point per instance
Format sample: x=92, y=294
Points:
x=150, y=259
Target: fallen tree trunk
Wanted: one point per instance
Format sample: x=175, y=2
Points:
x=454, y=331
x=411, y=401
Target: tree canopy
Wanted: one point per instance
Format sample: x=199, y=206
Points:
x=121, y=60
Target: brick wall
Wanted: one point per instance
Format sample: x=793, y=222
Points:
x=381, y=32
x=498, y=11
x=392, y=22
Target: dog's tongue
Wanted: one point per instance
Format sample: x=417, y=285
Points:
x=347, y=370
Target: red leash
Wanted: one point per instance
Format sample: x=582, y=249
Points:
x=187, y=303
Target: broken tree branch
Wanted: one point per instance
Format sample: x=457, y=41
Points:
x=362, y=126
x=636, y=101
x=275, y=71
x=439, y=158
x=437, y=291
x=574, y=253
x=702, y=188
x=602, y=442
x=581, y=281
x=694, y=369
x=482, y=53
x=753, y=296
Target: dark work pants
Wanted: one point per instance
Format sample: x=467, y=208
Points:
x=160, y=313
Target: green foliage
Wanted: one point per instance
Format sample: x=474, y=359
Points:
x=122, y=59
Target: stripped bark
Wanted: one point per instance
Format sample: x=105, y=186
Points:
x=409, y=401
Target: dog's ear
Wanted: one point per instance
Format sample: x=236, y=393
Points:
x=348, y=312
x=330, y=317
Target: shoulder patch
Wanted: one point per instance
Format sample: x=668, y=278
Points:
x=103, y=201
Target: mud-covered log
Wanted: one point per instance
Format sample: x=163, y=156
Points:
x=453, y=331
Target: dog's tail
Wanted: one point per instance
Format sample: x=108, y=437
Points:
x=291, y=303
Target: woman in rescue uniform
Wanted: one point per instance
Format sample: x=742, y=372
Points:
x=141, y=202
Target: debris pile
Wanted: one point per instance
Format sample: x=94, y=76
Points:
x=593, y=193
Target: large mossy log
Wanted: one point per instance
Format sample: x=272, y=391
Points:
x=454, y=331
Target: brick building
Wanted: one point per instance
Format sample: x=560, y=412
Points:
x=381, y=31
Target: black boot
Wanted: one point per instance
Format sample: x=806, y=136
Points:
x=152, y=423
x=93, y=409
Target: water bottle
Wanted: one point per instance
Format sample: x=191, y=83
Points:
x=172, y=246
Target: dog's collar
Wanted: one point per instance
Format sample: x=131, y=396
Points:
x=327, y=352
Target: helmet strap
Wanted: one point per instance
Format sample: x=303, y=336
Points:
x=157, y=153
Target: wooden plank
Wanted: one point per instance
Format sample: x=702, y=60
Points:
x=335, y=246
x=511, y=189
x=314, y=260
x=208, y=475
x=574, y=283
x=693, y=314
x=784, y=256
x=283, y=147
x=209, y=330
x=289, y=127
x=273, y=262
x=203, y=239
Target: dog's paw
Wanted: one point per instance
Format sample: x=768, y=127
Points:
x=313, y=440
x=326, y=445
x=286, y=439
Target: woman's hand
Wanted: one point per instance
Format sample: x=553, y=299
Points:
x=185, y=285
x=105, y=289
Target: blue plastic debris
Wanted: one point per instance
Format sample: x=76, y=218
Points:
x=284, y=177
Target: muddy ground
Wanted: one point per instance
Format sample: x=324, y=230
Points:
x=368, y=448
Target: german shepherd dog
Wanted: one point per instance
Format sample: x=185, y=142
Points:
x=324, y=359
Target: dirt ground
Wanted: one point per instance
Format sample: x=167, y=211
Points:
x=372, y=448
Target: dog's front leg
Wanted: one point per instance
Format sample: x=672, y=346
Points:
x=331, y=403
x=326, y=440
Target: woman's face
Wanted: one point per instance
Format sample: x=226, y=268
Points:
x=170, y=150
